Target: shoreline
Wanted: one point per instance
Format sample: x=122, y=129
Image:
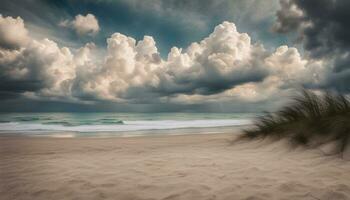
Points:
x=121, y=134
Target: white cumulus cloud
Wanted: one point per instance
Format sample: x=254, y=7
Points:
x=13, y=34
x=225, y=66
x=83, y=25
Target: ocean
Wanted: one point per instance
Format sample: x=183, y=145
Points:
x=119, y=124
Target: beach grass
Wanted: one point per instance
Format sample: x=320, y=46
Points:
x=310, y=120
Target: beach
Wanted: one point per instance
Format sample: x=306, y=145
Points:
x=193, y=167
x=175, y=100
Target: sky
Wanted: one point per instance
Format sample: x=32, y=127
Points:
x=169, y=55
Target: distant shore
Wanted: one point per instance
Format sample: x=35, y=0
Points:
x=166, y=167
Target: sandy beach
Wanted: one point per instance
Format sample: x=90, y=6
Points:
x=191, y=167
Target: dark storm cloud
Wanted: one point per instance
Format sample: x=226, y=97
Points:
x=212, y=82
x=209, y=85
x=325, y=24
x=289, y=17
x=25, y=105
x=213, y=85
x=15, y=86
x=324, y=29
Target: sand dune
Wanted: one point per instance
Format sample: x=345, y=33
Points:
x=191, y=167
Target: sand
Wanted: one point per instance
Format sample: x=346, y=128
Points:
x=190, y=167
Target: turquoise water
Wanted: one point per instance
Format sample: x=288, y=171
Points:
x=45, y=123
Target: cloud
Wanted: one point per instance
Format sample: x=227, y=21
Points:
x=225, y=66
x=134, y=70
x=41, y=67
x=286, y=70
x=289, y=17
x=13, y=34
x=83, y=25
x=224, y=61
x=324, y=29
x=126, y=64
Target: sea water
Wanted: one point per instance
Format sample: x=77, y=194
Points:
x=117, y=124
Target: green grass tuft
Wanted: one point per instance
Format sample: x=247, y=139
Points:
x=310, y=120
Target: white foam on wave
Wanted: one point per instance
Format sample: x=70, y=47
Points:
x=127, y=126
